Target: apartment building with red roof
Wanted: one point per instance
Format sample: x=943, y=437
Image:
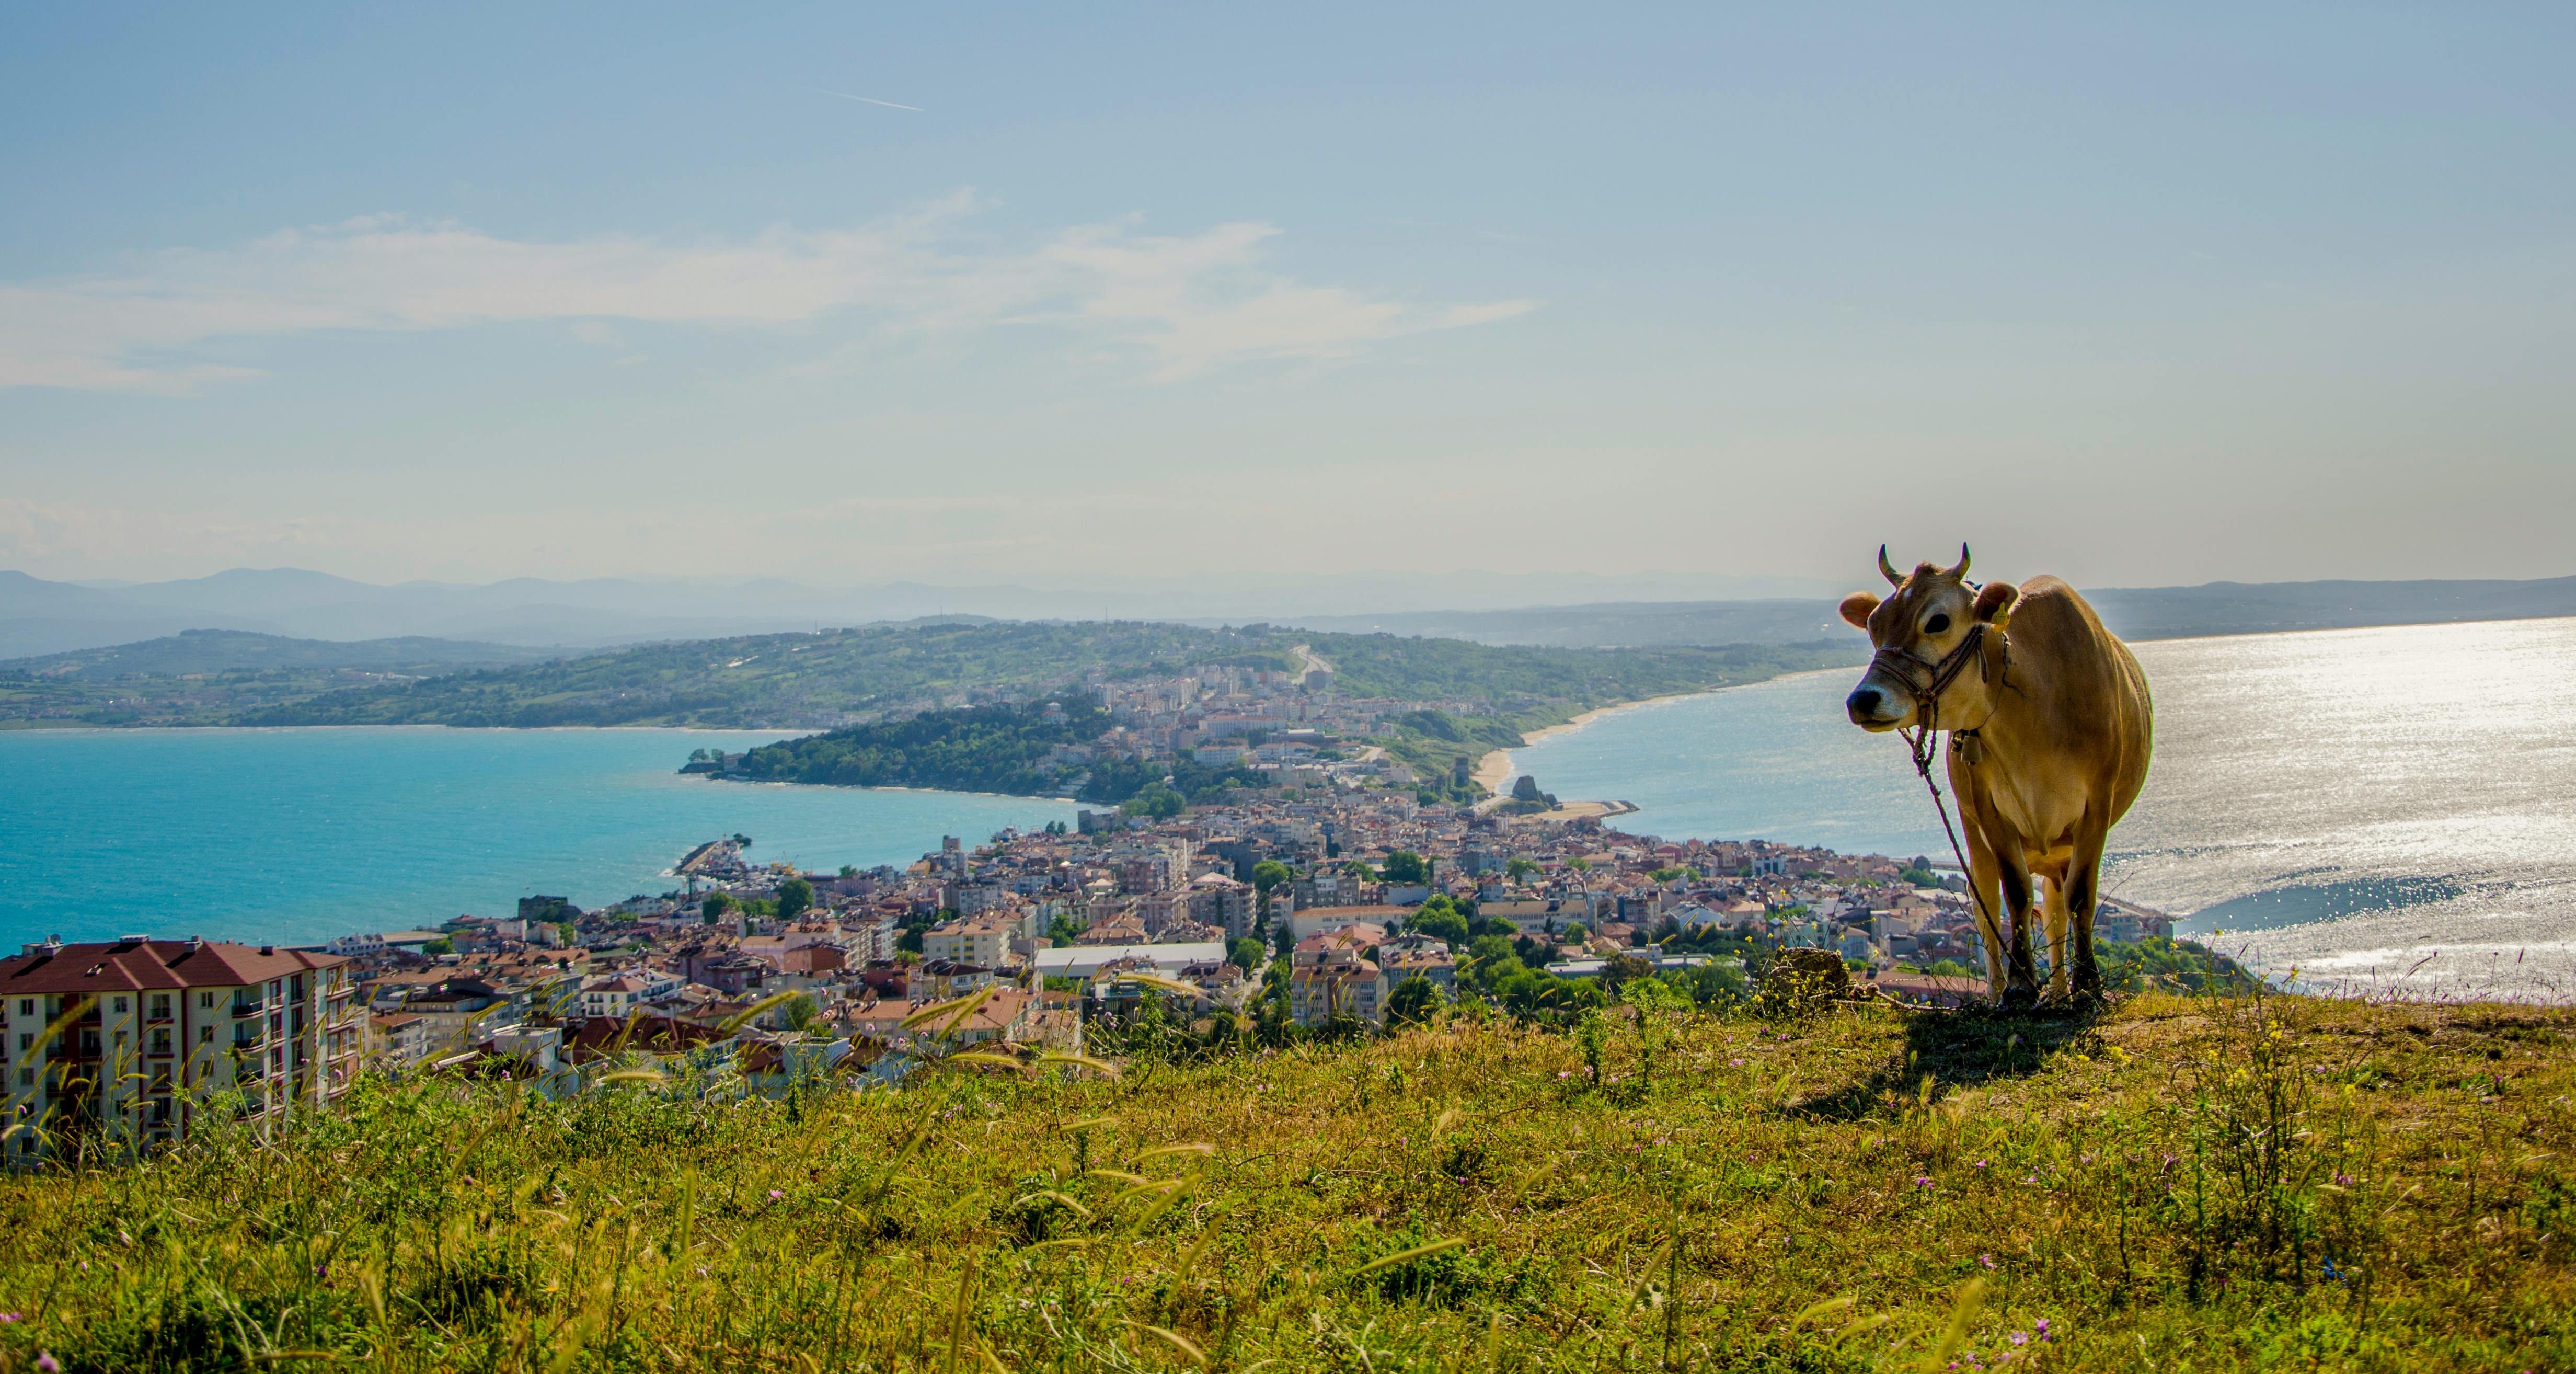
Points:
x=124, y=1041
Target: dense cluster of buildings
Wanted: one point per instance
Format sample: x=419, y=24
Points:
x=1214, y=898
x=1315, y=905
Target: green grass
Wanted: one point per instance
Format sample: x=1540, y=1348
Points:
x=2182, y=1184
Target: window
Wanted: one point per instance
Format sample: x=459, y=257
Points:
x=120, y=1006
x=205, y=1035
x=26, y=1006
x=205, y=999
x=160, y=1004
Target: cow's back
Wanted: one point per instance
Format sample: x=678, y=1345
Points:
x=2087, y=686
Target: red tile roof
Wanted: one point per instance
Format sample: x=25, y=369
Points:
x=135, y=965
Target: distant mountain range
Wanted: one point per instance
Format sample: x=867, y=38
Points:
x=493, y=623
x=40, y=617
x=2216, y=608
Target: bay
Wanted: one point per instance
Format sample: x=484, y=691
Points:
x=295, y=836
x=2379, y=811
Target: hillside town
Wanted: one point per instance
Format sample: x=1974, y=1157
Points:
x=1331, y=916
x=1323, y=908
x=1275, y=731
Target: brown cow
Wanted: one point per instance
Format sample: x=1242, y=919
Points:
x=2051, y=729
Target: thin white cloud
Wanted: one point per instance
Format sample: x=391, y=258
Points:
x=866, y=100
x=1184, y=304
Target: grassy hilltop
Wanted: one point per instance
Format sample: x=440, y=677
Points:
x=2201, y=1184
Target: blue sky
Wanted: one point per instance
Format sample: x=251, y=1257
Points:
x=473, y=292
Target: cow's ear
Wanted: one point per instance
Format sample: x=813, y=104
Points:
x=1995, y=602
x=1857, y=606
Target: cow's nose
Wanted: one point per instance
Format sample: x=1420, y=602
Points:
x=1863, y=704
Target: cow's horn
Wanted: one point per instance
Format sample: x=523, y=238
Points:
x=1887, y=569
x=1960, y=571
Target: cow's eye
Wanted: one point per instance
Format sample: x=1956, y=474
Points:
x=1936, y=624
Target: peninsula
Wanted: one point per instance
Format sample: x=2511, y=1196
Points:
x=1252, y=712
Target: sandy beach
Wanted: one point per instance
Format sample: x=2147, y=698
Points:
x=1494, y=770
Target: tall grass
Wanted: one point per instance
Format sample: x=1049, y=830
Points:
x=2205, y=1184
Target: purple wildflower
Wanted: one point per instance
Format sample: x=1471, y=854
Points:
x=2021, y=1338
x=46, y=1362
x=1986, y=1260
x=1922, y=1181
x=775, y=1195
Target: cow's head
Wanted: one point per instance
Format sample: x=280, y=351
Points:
x=1923, y=620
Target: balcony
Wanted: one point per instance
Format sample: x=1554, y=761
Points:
x=249, y=1008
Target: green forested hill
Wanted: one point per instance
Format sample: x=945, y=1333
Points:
x=209, y=652
x=1000, y=747
x=794, y=680
x=948, y=671
x=979, y=749
x=781, y=680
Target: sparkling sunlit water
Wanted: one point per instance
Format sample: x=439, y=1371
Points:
x=299, y=835
x=2385, y=808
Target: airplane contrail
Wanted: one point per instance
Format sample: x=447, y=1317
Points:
x=869, y=100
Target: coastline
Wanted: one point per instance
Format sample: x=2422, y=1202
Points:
x=1494, y=770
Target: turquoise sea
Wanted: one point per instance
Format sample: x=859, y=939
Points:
x=2379, y=810
x=300, y=835
x=2382, y=809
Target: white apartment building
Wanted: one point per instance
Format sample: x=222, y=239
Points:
x=615, y=995
x=983, y=940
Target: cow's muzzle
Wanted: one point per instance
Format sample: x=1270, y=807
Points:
x=1877, y=709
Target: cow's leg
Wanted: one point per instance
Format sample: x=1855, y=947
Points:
x=2084, y=897
x=2021, y=972
x=1985, y=877
x=2053, y=923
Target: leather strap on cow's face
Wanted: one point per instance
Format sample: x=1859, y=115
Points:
x=1935, y=678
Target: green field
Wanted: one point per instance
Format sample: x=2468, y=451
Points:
x=2180, y=1184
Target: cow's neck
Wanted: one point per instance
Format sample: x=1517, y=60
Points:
x=1978, y=700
